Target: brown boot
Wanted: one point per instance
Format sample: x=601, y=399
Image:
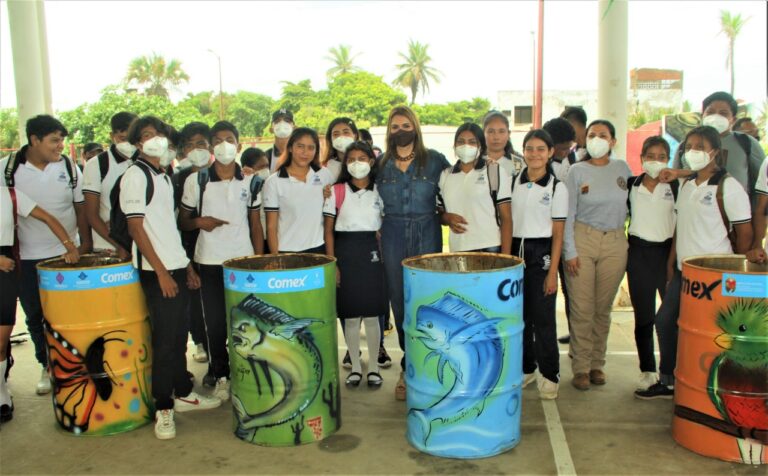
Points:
x=597, y=377
x=400, y=388
x=581, y=381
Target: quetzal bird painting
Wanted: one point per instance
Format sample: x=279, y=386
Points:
x=738, y=377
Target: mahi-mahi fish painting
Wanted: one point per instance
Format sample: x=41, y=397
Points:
x=285, y=364
x=470, y=359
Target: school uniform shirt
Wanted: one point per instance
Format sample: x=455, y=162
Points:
x=700, y=227
x=652, y=214
x=469, y=195
x=761, y=186
x=273, y=155
x=511, y=165
x=560, y=167
x=52, y=190
x=334, y=167
x=360, y=210
x=597, y=197
x=300, y=207
x=536, y=205
x=93, y=184
x=24, y=206
x=228, y=200
x=158, y=214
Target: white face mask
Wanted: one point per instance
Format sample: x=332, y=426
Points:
x=170, y=156
x=156, y=147
x=342, y=142
x=466, y=153
x=126, y=149
x=199, y=157
x=359, y=170
x=653, y=168
x=697, y=159
x=598, y=147
x=263, y=173
x=720, y=123
x=282, y=129
x=225, y=152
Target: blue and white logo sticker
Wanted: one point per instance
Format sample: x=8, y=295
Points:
x=85, y=279
x=274, y=282
x=744, y=285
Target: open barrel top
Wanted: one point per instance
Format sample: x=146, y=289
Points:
x=86, y=261
x=727, y=263
x=279, y=262
x=471, y=262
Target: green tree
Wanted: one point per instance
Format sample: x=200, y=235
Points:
x=415, y=73
x=9, y=129
x=250, y=112
x=453, y=113
x=730, y=26
x=364, y=97
x=343, y=61
x=296, y=95
x=155, y=74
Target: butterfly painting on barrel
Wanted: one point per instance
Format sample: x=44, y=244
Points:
x=78, y=379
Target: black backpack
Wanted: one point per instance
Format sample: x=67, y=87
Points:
x=118, y=222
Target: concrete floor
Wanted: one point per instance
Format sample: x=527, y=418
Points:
x=602, y=431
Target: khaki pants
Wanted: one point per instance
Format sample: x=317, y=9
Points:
x=603, y=260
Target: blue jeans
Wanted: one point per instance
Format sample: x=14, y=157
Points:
x=403, y=237
x=29, y=296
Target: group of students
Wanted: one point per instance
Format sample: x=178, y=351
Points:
x=561, y=205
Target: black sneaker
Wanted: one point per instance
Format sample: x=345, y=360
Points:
x=347, y=361
x=209, y=380
x=657, y=390
x=384, y=360
x=566, y=339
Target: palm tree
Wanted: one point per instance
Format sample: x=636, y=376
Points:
x=415, y=73
x=730, y=26
x=342, y=61
x=155, y=74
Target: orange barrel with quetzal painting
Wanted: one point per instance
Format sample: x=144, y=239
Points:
x=98, y=337
x=721, y=377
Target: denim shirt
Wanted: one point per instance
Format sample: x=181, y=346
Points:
x=412, y=193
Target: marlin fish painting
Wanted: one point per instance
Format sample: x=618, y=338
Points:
x=274, y=344
x=466, y=341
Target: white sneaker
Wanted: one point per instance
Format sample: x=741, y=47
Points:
x=528, y=378
x=200, y=355
x=165, y=427
x=44, y=384
x=222, y=389
x=547, y=389
x=195, y=401
x=646, y=380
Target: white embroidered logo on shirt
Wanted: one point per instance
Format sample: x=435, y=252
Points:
x=707, y=199
x=62, y=177
x=668, y=194
x=316, y=180
x=374, y=256
x=545, y=199
x=243, y=195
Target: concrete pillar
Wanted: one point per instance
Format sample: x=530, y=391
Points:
x=612, y=69
x=30, y=60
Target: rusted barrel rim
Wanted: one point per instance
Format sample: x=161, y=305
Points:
x=262, y=262
x=420, y=262
x=90, y=260
x=710, y=263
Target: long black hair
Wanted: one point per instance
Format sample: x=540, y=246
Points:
x=509, y=151
x=330, y=152
x=600, y=122
x=362, y=146
x=477, y=132
x=297, y=134
x=710, y=135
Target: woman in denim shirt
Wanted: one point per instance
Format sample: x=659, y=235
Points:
x=407, y=182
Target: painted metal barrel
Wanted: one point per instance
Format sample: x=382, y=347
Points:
x=721, y=377
x=283, y=355
x=99, y=345
x=464, y=342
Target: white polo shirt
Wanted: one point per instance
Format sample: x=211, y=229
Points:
x=536, y=205
x=700, y=227
x=228, y=200
x=93, y=184
x=560, y=168
x=652, y=214
x=159, y=216
x=761, y=186
x=512, y=165
x=24, y=206
x=469, y=195
x=360, y=210
x=334, y=166
x=300, y=207
x=51, y=189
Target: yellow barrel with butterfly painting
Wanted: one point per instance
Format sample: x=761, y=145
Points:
x=99, y=345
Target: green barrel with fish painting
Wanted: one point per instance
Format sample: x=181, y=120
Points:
x=283, y=354
x=464, y=342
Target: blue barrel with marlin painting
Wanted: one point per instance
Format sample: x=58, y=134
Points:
x=463, y=342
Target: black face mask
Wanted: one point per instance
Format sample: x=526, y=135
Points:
x=403, y=138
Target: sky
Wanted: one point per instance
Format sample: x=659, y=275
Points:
x=480, y=47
